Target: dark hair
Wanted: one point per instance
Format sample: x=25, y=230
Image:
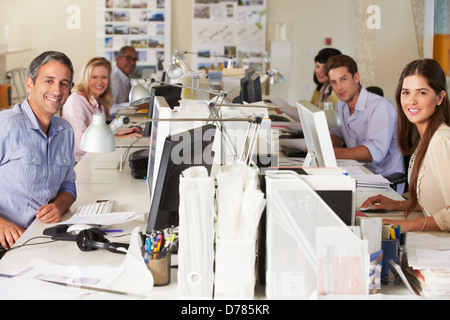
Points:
x=47, y=57
x=341, y=61
x=122, y=50
x=407, y=135
x=322, y=57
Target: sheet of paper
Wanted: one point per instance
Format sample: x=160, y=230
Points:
x=92, y=276
x=13, y=289
x=105, y=219
x=421, y=259
x=427, y=241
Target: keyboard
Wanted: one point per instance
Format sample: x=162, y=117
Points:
x=278, y=118
x=99, y=207
x=292, y=152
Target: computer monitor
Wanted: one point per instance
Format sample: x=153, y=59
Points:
x=181, y=151
x=250, y=88
x=172, y=95
x=317, y=136
x=254, y=88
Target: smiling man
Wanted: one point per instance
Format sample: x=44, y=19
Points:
x=126, y=60
x=36, y=151
x=368, y=133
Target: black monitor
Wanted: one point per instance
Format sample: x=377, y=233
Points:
x=181, y=151
x=254, y=88
x=250, y=88
x=172, y=95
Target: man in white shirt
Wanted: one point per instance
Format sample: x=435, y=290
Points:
x=368, y=133
x=120, y=78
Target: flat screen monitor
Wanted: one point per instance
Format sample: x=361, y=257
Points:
x=181, y=151
x=171, y=93
x=254, y=88
x=250, y=88
x=317, y=136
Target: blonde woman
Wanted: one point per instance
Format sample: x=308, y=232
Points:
x=91, y=95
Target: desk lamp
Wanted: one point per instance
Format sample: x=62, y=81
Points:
x=174, y=71
x=275, y=76
x=333, y=118
x=138, y=94
x=98, y=138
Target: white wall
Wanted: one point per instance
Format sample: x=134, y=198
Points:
x=310, y=22
x=41, y=25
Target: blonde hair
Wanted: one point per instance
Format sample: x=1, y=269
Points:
x=82, y=87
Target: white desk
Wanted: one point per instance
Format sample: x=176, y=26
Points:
x=98, y=178
x=94, y=182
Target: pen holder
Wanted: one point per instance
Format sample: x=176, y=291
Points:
x=159, y=265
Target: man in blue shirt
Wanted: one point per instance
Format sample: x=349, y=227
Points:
x=37, y=177
x=368, y=133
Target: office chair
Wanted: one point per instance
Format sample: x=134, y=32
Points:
x=398, y=178
x=16, y=78
x=376, y=90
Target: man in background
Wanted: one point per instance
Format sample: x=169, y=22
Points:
x=368, y=133
x=120, y=78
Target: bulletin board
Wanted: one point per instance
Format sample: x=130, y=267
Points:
x=224, y=28
x=142, y=24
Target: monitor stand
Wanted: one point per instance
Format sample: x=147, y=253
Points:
x=309, y=157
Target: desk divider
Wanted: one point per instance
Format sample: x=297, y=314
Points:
x=196, y=236
x=310, y=251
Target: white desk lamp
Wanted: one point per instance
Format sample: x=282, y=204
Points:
x=275, y=76
x=139, y=94
x=333, y=118
x=98, y=138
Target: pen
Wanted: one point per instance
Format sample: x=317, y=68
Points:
x=393, y=237
x=117, y=230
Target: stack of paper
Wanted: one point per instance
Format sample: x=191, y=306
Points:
x=429, y=265
x=371, y=181
x=105, y=219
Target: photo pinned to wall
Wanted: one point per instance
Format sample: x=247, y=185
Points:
x=142, y=24
x=228, y=32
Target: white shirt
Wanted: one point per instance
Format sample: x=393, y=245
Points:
x=121, y=86
x=433, y=181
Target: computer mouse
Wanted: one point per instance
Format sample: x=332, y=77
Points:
x=77, y=228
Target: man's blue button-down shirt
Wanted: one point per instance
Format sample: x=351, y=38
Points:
x=34, y=167
x=373, y=124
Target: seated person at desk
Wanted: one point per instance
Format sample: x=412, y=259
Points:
x=369, y=121
x=324, y=91
x=120, y=79
x=424, y=114
x=91, y=95
x=36, y=151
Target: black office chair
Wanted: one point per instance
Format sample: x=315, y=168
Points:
x=398, y=178
x=376, y=90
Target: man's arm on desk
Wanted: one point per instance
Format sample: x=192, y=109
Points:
x=360, y=153
x=52, y=212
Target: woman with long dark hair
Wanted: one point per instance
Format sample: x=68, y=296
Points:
x=423, y=131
